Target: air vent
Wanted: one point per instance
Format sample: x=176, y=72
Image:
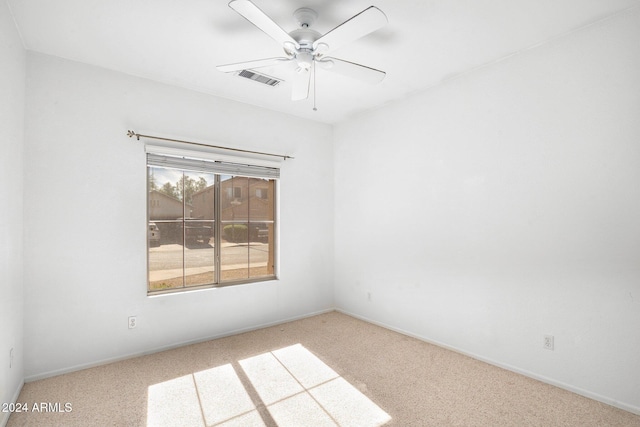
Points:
x=260, y=78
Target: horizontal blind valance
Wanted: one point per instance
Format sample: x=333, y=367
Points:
x=212, y=166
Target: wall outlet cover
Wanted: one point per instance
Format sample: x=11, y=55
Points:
x=548, y=342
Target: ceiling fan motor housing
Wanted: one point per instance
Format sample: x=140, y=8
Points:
x=305, y=38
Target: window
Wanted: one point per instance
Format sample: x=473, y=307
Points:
x=261, y=193
x=233, y=192
x=237, y=192
x=209, y=226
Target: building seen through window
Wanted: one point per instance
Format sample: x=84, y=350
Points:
x=208, y=229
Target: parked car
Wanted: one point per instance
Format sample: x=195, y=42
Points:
x=154, y=234
x=259, y=232
x=197, y=232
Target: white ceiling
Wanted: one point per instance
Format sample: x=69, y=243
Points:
x=181, y=41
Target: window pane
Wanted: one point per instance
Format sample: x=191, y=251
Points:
x=166, y=209
x=234, y=203
x=234, y=253
x=165, y=194
x=260, y=260
x=261, y=226
x=165, y=260
x=199, y=251
x=261, y=199
x=199, y=193
x=234, y=211
x=199, y=255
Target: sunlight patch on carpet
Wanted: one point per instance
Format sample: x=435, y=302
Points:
x=222, y=395
x=174, y=400
x=289, y=387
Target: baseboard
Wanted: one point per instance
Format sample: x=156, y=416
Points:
x=172, y=346
x=4, y=416
x=586, y=393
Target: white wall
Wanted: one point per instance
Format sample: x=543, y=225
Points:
x=505, y=205
x=12, y=96
x=84, y=213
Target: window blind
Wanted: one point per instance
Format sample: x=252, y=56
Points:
x=212, y=166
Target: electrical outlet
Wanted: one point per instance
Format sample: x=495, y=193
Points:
x=133, y=322
x=10, y=358
x=548, y=342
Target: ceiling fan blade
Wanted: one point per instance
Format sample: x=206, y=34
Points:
x=257, y=17
x=358, y=26
x=300, y=82
x=353, y=70
x=250, y=65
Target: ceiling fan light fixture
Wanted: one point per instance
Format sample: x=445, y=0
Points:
x=304, y=59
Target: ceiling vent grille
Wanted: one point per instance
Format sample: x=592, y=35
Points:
x=260, y=78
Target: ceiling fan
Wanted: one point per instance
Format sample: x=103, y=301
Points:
x=305, y=47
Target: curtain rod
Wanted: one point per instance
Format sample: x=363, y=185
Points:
x=131, y=133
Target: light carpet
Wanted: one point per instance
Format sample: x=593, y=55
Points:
x=329, y=369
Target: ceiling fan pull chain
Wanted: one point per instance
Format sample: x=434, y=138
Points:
x=314, y=86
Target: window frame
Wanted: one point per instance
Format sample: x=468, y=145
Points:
x=218, y=281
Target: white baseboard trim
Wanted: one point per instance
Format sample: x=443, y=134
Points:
x=101, y=362
x=4, y=416
x=586, y=393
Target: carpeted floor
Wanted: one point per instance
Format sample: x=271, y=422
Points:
x=329, y=369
